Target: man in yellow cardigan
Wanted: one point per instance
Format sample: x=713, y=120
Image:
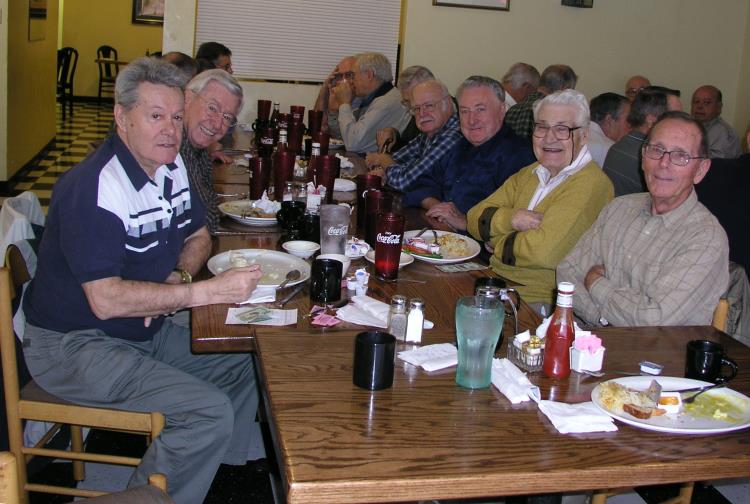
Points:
x=535, y=218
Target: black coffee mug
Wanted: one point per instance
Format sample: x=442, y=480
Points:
x=373, y=360
x=325, y=280
x=705, y=360
x=311, y=227
x=290, y=215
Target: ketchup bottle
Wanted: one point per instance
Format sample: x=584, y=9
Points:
x=560, y=334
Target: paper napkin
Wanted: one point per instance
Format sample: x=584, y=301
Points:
x=512, y=382
x=431, y=357
x=575, y=418
x=262, y=294
x=366, y=311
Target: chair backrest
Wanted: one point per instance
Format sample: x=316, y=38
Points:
x=107, y=70
x=67, y=60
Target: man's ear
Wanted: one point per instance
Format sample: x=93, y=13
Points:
x=703, y=168
x=120, y=117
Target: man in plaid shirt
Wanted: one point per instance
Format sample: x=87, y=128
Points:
x=437, y=121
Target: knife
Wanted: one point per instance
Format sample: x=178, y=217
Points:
x=288, y=297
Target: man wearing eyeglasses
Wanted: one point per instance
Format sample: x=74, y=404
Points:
x=535, y=218
x=212, y=100
x=634, y=85
x=655, y=258
x=326, y=100
x=435, y=117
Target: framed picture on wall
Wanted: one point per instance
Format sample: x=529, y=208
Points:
x=475, y=4
x=148, y=12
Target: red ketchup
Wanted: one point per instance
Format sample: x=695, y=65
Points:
x=560, y=334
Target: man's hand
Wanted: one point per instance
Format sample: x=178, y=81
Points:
x=593, y=275
x=343, y=93
x=234, y=285
x=524, y=220
x=378, y=160
x=219, y=155
x=447, y=213
x=386, y=135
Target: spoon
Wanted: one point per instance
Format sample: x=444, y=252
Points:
x=691, y=399
x=292, y=275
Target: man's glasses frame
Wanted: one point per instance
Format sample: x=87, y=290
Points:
x=214, y=110
x=427, y=107
x=559, y=131
x=676, y=157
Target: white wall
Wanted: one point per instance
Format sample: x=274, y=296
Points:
x=676, y=43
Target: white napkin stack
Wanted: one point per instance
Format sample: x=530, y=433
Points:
x=431, y=357
x=366, y=311
x=575, y=418
x=262, y=294
x=512, y=382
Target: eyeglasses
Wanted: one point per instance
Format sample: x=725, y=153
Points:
x=559, y=131
x=426, y=107
x=676, y=157
x=213, y=109
x=631, y=92
x=343, y=75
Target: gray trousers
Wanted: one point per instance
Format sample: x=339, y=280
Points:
x=209, y=401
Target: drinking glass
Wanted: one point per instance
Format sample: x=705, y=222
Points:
x=479, y=321
x=334, y=227
x=260, y=169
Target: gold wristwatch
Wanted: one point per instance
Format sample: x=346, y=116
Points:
x=185, y=277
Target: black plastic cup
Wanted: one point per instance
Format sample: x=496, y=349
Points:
x=373, y=360
x=325, y=280
x=705, y=360
x=311, y=227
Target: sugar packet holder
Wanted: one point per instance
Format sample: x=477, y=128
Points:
x=587, y=352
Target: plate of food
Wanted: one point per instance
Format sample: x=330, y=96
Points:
x=440, y=247
x=656, y=403
x=275, y=265
x=335, y=143
x=251, y=212
x=403, y=260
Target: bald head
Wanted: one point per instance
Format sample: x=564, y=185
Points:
x=635, y=84
x=706, y=104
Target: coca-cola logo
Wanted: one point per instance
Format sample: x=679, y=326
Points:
x=338, y=230
x=389, y=239
x=266, y=140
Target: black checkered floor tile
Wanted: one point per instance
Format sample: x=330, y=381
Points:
x=72, y=143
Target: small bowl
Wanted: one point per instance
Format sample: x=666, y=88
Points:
x=403, y=260
x=339, y=257
x=301, y=248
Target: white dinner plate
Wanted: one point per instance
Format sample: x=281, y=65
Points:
x=472, y=245
x=335, y=143
x=404, y=260
x=274, y=264
x=344, y=185
x=683, y=422
x=234, y=210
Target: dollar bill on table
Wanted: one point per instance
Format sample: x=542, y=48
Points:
x=467, y=266
x=260, y=315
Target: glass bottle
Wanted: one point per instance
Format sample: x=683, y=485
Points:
x=273, y=122
x=560, y=334
x=397, y=317
x=313, y=163
x=282, y=144
x=415, y=321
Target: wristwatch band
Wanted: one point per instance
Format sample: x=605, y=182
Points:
x=184, y=275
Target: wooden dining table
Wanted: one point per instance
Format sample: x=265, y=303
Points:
x=426, y=438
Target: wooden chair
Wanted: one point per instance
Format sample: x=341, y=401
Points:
x=67, y=60
x=33, y=403
x=108, y=70
x=153, y=493
x=721, y=313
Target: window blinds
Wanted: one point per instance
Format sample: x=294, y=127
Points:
x=298, y=40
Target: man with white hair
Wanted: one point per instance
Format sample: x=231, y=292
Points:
x=519, y=81
x=659, y=257
x=380, y=104
x=212, y=100
x=538, y=214
x=438, y=125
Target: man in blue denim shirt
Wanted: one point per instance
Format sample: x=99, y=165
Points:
x=488, y=154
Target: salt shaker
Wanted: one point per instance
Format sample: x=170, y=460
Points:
x=415, y=320
x=397, y=317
